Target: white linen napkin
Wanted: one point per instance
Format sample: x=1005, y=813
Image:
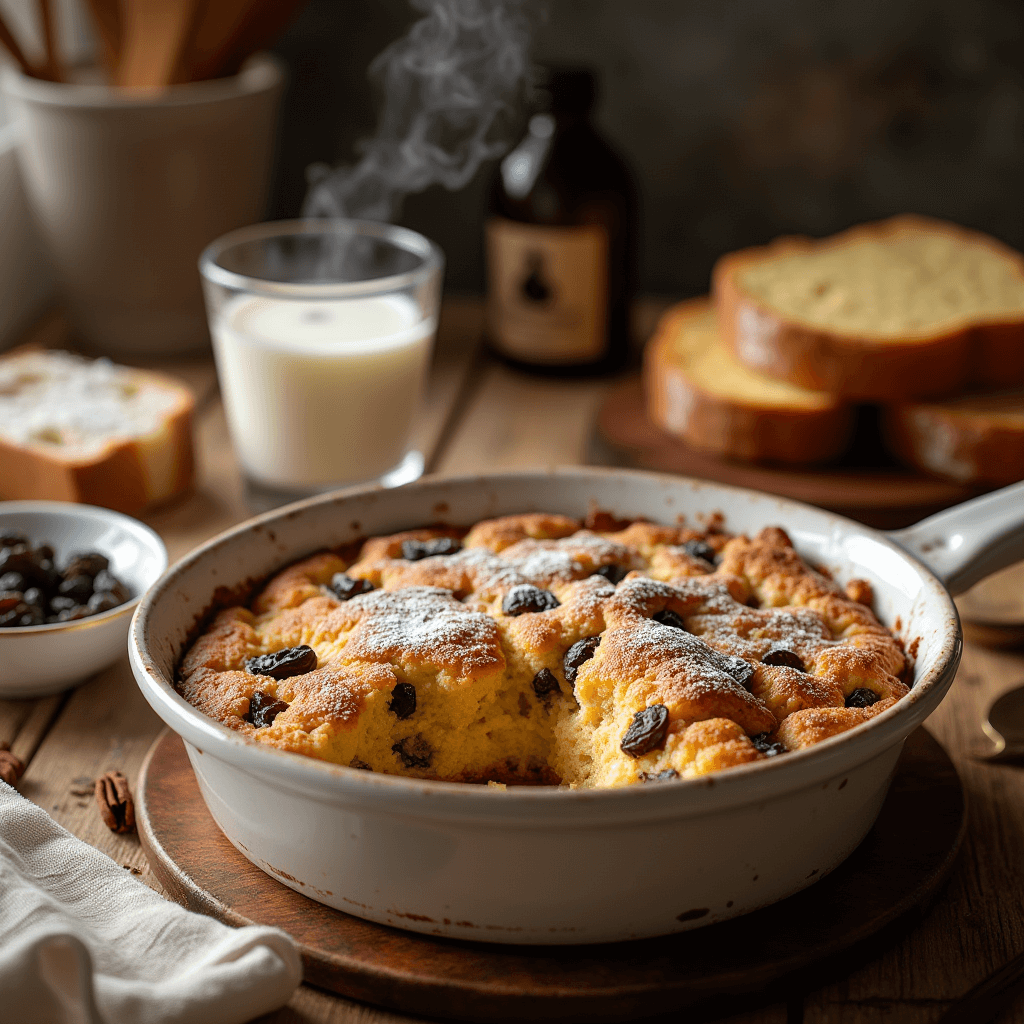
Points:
x=83, y=942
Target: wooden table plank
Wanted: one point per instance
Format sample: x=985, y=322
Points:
x=106, y=724
x=514, y=420
x=518, y=420
x=13, y=715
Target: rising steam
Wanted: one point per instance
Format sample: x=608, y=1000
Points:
x=450, y=88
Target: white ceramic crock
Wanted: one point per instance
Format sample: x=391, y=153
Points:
x=129, y=186
x=530, y=865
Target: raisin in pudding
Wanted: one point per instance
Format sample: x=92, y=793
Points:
x=534, y=649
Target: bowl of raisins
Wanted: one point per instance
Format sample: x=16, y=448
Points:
x=70, y=578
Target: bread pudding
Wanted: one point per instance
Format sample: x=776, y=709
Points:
x=538, y=649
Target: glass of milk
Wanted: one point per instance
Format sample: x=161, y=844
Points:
x=322, y=331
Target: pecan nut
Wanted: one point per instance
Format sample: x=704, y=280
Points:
x=11, y=766
x=114, y=799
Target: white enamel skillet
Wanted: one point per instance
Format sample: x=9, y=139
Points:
x=537, y=865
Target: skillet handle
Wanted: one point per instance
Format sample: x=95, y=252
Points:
x=968, y=542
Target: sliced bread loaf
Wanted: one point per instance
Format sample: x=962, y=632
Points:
x=697, y=390
x=905, y=308
x=75, y=429
x=972, y=440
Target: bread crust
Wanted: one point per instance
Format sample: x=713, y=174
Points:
x=989, y=353
x=955, y=442
x=126, y=475
x=733, y=429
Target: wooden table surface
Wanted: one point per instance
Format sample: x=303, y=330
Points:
x=481, y=415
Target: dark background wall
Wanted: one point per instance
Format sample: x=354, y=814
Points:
x=741, y=119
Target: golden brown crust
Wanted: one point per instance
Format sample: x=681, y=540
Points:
x=990, y=353
x=731, y=427
x=498, y=534
x=434, y=674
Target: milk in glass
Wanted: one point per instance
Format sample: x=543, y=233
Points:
x=322, y=391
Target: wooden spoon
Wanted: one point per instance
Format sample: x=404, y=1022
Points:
x=229, y=31
x=10, y=44
x=154, y=36
x=53, y=68
x=106, y=16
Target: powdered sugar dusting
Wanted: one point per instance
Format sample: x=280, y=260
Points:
x=424, y=625
x=541, y=563
x=706, y=669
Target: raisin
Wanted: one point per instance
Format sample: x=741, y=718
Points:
x=78, y=611
x=742, y=671
x=107, y=583
x=263, y=709
x=612, y=573
x=784, y=658
x=862, y=697
x=345, y=587
x=90, y=563
x=414, y=550
x=663, y=776
x=414, y=752
x=403, y=700
x=47, y=578
x=580, y=652
x=292, y=661
x=700, y=549
x=646, y=732
x=102, y=602
x=12, y=581
x=545, y=682
x=22, y=563
x=767, y=746
x=78, y=587
x=669, y=618
x=528, y=598
x=360, y=764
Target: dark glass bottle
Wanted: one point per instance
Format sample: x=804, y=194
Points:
x=561, y=237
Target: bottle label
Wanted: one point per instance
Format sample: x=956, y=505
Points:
x=547, y=295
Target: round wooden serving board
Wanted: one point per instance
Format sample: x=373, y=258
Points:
x=866, y=485
x=898, y=867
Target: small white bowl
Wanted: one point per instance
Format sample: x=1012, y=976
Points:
x=38, y=660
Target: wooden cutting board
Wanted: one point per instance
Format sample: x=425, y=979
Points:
x=897, y=869
x=866, y=485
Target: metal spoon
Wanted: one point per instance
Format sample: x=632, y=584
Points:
x=1005, y=726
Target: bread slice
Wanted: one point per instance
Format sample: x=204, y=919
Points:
x=698, y=391
x=905, y=308
x=976, y=439
x=75, y=429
